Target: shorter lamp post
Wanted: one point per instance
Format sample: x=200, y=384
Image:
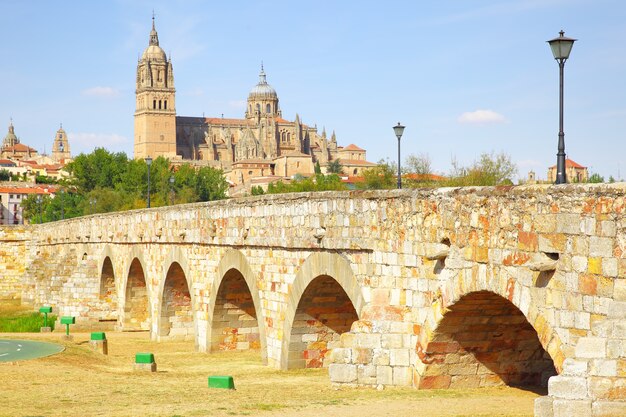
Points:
x=39, y=207
x=172, y=190
x=148, y=163
x=399, y=130
x=62, y=205
x=92, y=204
x=561, y=48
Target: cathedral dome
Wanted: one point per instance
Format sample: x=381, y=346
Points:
x=263, y=90
x=154, y=53
x=10, y=139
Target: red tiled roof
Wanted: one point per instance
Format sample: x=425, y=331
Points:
x=356, y=162
x=570, y=164
x=19, y=147
x=352, y=147
x=7, y=162
x=27, y=190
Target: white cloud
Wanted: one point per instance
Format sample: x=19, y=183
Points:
x=106, y=92
x=481, y=117
x=87, y=141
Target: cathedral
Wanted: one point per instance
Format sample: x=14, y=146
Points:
x=260, y=145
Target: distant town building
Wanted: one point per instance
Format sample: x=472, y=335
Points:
x=14, y=150
x=574, y=172
x=11, y=196
x=262, y=144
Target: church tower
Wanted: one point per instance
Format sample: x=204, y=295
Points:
x=262, y=100
x=61, y=147
x=155, y=107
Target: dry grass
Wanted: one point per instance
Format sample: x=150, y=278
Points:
x=79, y=382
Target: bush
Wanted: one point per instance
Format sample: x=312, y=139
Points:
x=25, y=322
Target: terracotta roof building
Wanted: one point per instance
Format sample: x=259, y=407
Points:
x=574, y=172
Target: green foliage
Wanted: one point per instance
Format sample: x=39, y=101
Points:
x=25, y=323
x=381, y=177
x=595, y=178
x=490, y=169
x=417, y=164
x=319, y=182
x=611, y=179
x=257, y=190
x=42, y=179
x=334, y=167
x=318, y=168
x=5, y=175
x=103, y=182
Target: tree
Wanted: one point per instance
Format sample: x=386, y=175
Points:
x=595, y=178
x=210, y=184
x=257, y=190
x=5, y=175
x=611, y=179
x=418, y=164
x=318, y=168
x=100, y=168
x=334, y=167
x=489, y=169
x=380, y=177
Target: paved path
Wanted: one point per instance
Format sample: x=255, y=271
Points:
x=19, y=350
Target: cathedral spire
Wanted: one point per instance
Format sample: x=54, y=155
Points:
x=154, y=37
x=262, y=78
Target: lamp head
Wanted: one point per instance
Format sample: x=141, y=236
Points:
x=561, y=46
x=398, y=130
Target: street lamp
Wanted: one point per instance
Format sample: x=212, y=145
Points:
x=398, y=130
x=92, y=203
x=39, y=207
x=148, y=162
x=62, y=205
x=561, y=48
x=172, y=189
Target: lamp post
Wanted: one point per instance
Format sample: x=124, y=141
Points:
x=62, y=205
x=561, y=48
x=172, y=190
x=398, y=130
x=148, y=162
x=39, y=207
x=92, y=203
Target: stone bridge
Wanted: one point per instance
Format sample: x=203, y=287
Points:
x=439, y=288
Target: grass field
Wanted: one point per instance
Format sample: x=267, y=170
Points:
x=15, y=318
x=82, y=382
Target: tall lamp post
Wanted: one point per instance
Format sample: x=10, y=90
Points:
x=39, y=207
x=62, y=205
x=399, y=130
x=561, y=48
x=148, y=162
x=172, y=179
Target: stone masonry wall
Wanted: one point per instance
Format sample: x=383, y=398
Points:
x=13, y=260
x=404, y=258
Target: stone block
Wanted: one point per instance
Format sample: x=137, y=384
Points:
x=342, y=373
x=402, y=376
x=569, y=223
x=600, y=247
x=399, y=357
x=570, y=408
x=567, y=387
x=366, y=375
x=619, y=289
x=603, y=367
x=368, y=341
x=101, y=346
x=543, y=407
x=609, y=409
x=384, y=375
x=341, y=355
x=391, y=341
x=573, y=367
x=591, y=347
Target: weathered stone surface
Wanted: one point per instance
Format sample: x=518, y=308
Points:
x=167, y=266
x=570, y=408
x=568, y=387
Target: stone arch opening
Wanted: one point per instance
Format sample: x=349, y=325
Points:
x=108, y=293
x=324, y=312
x=176, y=307
x=484, y=340
x=235, y=324
x=136, y=304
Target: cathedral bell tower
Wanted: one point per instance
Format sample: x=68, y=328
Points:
x=262, y=100
x=155, y=107
x=61, y=147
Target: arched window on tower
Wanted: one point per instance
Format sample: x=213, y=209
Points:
x=159, y=104
x=268, y=109
x=258, y=108
x=154, y=104
x=165, y=104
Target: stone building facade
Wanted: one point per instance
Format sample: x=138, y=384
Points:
x=263, y=134
x=450, y=288
x=574, y=172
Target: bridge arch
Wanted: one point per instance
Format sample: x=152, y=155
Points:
x=486, y=330
x=235, y=307
x=176, y=307
x=325, y=299
x=107, y=289
x=135, y=301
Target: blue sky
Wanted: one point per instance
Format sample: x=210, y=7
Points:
x=464, y=76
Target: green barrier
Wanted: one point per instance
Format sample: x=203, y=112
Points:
x=144, y=358
x=225, y=382
x=45, y=311
x=67, y=320
x=98, y=336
